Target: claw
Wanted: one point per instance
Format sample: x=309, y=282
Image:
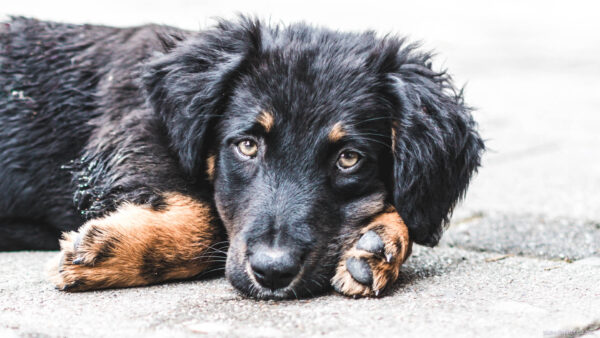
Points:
x=377, y=292
x=388, y=257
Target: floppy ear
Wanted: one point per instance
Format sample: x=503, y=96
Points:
x=189, y=85
x=436, y=146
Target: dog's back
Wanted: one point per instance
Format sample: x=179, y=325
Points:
x=55, y=79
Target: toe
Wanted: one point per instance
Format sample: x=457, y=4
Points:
x=78, y=255
x=371, y=242
x=76, y=241
x=360, y=270
x=72, y=286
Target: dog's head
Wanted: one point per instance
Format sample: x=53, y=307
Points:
x=305, y=133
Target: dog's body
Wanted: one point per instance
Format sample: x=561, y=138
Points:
x=70, y=102
x=160, y=137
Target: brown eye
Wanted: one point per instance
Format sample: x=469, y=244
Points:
x=348, y=159
x=248, y=148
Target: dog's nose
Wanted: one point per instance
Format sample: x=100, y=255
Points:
x=274, y=268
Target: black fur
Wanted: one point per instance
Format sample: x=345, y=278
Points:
x=130, y=113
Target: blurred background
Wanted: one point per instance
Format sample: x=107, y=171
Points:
x=531, y=68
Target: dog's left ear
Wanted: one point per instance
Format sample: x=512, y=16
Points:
x=436, y=147
x=189, y=85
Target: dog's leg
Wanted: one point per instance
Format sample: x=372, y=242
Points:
x=138, y=245
x=372, y=260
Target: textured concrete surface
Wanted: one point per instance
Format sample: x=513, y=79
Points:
x=441, y=291
x=523, y=255
x=527, y=235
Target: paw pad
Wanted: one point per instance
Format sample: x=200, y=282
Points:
x=371, y=242
x=360, y=270
x=373, y=261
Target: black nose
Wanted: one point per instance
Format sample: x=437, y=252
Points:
x=274, y=268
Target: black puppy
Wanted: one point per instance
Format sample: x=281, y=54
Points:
x=297, y=146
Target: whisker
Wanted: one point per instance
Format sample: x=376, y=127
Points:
x=307, y=289
x=372, y=119
x=374, y=134
x=215, y=261
x=208, y=253
x=212, y=258
x=211, y=247
x=210, y=271
x=383, y=136
x=317, y=282
x=372, y=139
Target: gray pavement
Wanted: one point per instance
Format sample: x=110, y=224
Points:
x=527, y=235
x=522, y=257
x=442, y=291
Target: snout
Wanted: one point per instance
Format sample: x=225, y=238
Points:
x=274, y=267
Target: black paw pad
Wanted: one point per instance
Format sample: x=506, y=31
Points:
x=360, y=270
x=371, y=242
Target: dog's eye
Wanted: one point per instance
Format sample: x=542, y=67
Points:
x=348, y=159
x=248, y=148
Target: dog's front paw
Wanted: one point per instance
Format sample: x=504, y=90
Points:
x=373, y=260
x=84, y=262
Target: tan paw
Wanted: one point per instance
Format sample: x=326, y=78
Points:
x=374, y=258
x=92, y=258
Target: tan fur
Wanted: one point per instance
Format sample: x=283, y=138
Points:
x=210, y=167
x=182, y=233
x=394, y=233
x=266, y=119
x=337, y=132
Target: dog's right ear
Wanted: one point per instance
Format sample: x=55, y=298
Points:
x=436, y=147
x=189, y=85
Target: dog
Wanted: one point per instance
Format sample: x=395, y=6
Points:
x=295, y=158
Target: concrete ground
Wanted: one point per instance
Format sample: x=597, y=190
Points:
x=522, y=257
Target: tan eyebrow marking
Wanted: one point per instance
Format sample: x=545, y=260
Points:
x=337, y=132
x=266, y=119
x=394, y=125
x=210, y=167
